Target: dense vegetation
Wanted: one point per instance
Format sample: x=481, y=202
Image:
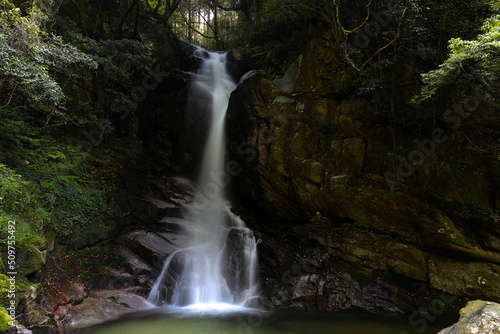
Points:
x=54, y=183
x=64, y=64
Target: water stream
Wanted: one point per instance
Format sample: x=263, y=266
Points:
x=219, y=264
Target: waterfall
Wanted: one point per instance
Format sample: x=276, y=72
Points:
x=219, y=264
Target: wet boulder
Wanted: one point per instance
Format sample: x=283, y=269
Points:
x=477, y=317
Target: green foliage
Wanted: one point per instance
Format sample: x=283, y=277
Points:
x=472, y=65
x=75, y=207
x=4, y=290
x=26, y=232
x=30, y=57
x=19, y=202
x=55, y=194
x=17, y=196
x=429, y=24
x=115, y=58
x=121, y=65
x=278, y=33
x=281, y=17
x=4, y=319
x=279, y=20
x=369, y=78
x=162, y=8
x=67, y=194
x=225, y=24
x=62, y=200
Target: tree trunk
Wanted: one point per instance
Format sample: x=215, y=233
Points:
x=216, y=30
x=190, y=19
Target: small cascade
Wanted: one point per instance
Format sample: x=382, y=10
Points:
x=219, y=265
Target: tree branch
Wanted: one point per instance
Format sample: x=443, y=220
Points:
x=172, y=7
x=148, y=5
x=127, y=13
x=157, y=6
x=193, y=28
x=10, y=98
x=347, y=32
x=393, y=40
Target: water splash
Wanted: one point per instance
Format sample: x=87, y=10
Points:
x=219, y=266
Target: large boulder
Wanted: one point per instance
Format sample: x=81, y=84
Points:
x=98, y=307
x=477, y=317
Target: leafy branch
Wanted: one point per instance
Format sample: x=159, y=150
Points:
x=469, y=61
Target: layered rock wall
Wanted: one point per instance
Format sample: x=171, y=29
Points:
x=312, y=150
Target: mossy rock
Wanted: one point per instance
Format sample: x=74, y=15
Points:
x=472, y=307
x=4, y=289
x=31, y=259
x=353, y=153
x=464, y=278
x=4, y=320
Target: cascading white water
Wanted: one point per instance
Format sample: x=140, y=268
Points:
x=220, y=263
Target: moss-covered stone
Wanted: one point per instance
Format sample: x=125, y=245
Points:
x=5, y=289
x=31, y=259
x=5, y=320
x=318, y=70
x=336, y=150
x=465, y=278
x=353, y=153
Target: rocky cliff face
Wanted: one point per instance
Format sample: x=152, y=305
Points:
x=377, y=209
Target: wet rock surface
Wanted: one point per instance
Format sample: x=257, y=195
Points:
x=97, y=307
x=84, y=288
x=307, y=146
x=322, y=267
x=477, y=317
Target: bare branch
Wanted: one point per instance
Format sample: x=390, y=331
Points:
x=10, y=98
x=346, y=32
x=393, y=40
x=194, y=29
x=127, y=13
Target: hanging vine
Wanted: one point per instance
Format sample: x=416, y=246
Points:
x=345, y=33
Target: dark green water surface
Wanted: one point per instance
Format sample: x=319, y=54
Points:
x=162, y=321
